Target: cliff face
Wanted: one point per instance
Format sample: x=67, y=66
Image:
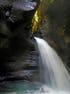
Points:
x=15, y=31
x=15, y=23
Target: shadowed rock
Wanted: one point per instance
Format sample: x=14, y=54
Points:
x=15, y=30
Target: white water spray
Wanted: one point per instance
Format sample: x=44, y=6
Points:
x=53, y=71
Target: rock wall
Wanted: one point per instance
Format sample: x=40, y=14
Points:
x=15, y=31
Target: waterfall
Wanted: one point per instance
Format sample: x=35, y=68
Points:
x=52, y=70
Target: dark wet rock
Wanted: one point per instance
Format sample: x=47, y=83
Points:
x=24, y=66
x=15, y=19
x=38, y=34
x=15, y=23
x=16, y=47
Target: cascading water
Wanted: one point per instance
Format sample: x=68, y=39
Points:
x=55, y=78
x=52, y=69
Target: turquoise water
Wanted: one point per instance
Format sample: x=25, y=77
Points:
x=18, y=87
x=25, y=87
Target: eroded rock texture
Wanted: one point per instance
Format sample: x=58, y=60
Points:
x=15, y=31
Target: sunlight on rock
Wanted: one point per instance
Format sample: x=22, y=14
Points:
x=39, y=15
x=36, y=16
x=35, y=21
